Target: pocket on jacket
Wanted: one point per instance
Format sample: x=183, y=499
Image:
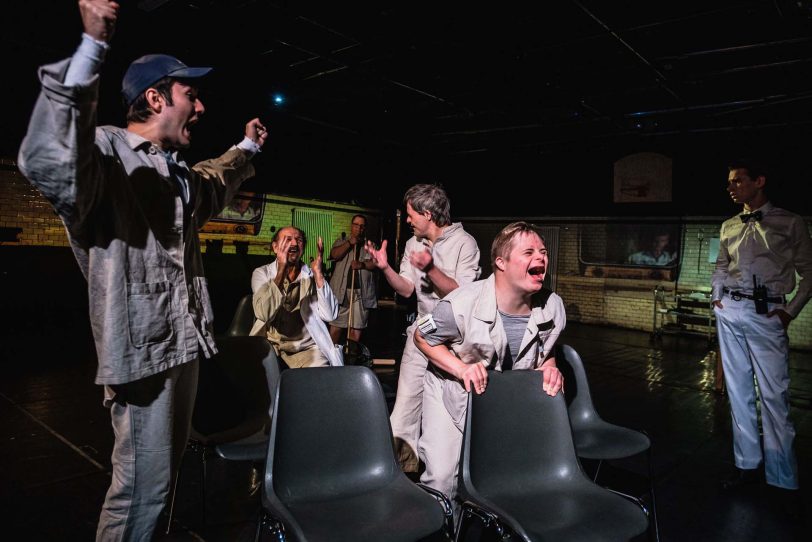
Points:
x=149, y=306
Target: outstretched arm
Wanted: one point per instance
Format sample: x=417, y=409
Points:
x=223, y=176
x=58, y=154
x=380, y=260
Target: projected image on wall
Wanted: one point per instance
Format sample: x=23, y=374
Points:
x=242, y=216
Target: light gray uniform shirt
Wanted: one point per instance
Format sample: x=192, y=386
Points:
x=773, y=249
x=133, y=235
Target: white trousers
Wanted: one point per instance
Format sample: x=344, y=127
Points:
x=441, y=441
x=406, y=414
x=751, y=344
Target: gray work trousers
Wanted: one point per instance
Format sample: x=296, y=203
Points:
x=151, y=419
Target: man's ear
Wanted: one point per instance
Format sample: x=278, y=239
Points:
x=155, y=100
x=760, y=181
x=499, y=262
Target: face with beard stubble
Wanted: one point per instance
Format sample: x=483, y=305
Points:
x=289, y=245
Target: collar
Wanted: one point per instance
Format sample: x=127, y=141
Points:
x=766, y=208
x=304, y=270
x=136, y=142
x=447, y=231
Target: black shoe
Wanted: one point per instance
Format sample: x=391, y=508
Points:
x=741, y=478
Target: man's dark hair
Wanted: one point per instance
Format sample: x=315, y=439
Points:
x=139, y=110
x=431, y=198
x=358, y=216
x=755, y=168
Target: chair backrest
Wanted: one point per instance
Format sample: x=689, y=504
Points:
x=243, y=319
x=516, y=438
x=235, y=385
x=576, y=386
x=330, y=436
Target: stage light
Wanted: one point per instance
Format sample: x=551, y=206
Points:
x=278, y=100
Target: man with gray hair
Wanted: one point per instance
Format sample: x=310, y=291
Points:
x=439, y=258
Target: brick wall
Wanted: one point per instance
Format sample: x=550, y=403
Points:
x=279, y=213
x=22, y=206
x=622, y=302
x=629, y=302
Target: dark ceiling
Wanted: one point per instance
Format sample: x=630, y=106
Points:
x=536, y=99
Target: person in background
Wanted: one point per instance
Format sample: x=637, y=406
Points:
x=353, y=270
x=438, y=259
x=292, y=302
x=132, y=208
x=760, y=252
x=657, y=254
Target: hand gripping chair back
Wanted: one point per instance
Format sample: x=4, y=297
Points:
x=331, y=473
x=519, y=467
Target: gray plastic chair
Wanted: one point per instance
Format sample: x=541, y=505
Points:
x=519, y=471
x=331, y=473
x=232, y=405
x=243, y=319
x=595, y=438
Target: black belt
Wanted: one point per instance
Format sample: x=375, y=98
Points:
x=737, y=296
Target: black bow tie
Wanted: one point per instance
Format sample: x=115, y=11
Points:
x=751, y=216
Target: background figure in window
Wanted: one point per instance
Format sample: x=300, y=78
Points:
x=657, y=254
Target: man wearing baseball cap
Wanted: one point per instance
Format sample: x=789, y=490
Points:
x=132, y=208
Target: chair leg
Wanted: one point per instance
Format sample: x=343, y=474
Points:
x=488, y=520
x=448, y=510
x=654, y=525
x=655, y=522
x=597, y=471
x=273, y=525
x=203, y=487
x=172, y=502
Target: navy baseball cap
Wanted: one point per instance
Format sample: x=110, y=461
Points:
x=150, y=69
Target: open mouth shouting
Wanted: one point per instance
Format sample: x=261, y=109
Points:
x=187, y=128
x=537, y=272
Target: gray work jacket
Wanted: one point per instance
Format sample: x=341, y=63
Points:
x=136, y=243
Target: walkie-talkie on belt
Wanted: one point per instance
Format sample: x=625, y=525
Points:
x=759, y=296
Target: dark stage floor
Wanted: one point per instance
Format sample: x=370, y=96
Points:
x=56, y=438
